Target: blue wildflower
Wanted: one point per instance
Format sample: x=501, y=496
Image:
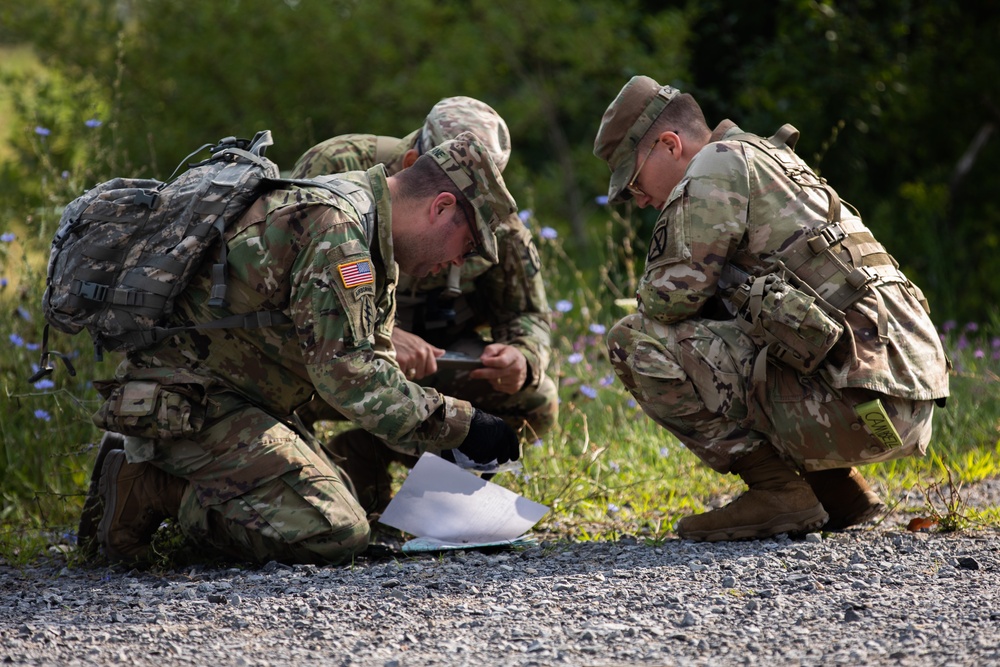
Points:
x=588, y=391
x=607, y=380
x=64, y=174
x=664, y=451
x=564, y=306
x=575, y=358
x=602, y=200
x=8, y=237
x=612, y=508
x=32, y=346
x=3, y=283
x=42, y=131
x=548, y=233
x=16, y=340
x=525, y=215
x=43, y=415
x=598, y=329
x=92, y=123
x=23, y=313
x=537, y=442
x=45, y=384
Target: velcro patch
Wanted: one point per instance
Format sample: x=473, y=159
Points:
x=356, y=273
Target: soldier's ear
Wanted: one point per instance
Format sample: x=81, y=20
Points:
x=673, y=143
x=442, y=203
x=409, y=157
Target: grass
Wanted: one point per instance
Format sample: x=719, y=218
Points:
x=606, y=471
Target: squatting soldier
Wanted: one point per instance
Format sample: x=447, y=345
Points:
x=206, y=413
x=444, y=310
x=775, y=337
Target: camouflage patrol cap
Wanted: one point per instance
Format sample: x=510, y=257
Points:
x=623, y=126
x=454, y=115
x=468, y=164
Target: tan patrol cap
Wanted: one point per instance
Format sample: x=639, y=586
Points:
x=623, y=126
x=469, y=165
x=454, y=115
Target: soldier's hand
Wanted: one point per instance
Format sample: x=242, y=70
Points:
x=414, y=355
x=490, y=441
x=504, y=367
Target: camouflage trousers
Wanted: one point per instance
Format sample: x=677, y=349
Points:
x=258, y=490
x=694, y=379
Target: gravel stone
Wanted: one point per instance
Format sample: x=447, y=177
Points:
x=874, y=596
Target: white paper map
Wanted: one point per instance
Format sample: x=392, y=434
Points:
x=447, y=507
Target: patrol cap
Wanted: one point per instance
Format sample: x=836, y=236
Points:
x=468, y=164
x=454, y=115
x=623, y=126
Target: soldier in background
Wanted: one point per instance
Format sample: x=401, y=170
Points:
x=448, y=310
x=206, y=414
x=775, y=337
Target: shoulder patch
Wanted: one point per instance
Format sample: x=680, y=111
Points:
x=356, y=273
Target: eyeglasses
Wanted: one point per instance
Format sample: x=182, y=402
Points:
x=634, y=189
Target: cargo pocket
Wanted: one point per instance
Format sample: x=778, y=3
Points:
x=151, y=409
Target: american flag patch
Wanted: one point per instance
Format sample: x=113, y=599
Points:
x=356, y=273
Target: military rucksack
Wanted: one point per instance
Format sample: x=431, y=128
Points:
x=126, y=249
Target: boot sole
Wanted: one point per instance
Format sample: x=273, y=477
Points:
x=794, y=523
x=108, y=480
x=91, y=516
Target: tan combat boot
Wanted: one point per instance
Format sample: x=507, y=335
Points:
x=136, y=497
x=845, y=495
x=366, y=460
x=778, y=501
x=86, y=534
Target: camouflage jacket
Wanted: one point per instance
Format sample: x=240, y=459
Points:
x=734, y=205
x=305, y=252
x=509, y=297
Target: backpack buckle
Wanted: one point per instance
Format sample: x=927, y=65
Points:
x=148, y=198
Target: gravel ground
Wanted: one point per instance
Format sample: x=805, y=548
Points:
x=872, y=596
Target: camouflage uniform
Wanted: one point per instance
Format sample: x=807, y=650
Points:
x=215, y=406
x=508, y=298
x=692, y=367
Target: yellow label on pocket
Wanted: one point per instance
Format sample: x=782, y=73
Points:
x=873, y=415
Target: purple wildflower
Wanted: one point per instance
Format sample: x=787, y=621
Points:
x=548, y=233
x=995, y=343
x=92, y=123
x=564, y=306
x=607, y=380
x=948, y=326
x=588, y=391
x=575, y=358
x=601, y=200
x=598, y=329
x=664, y=451
x=16, y=340
x=23, y=313
x=45, y=384
x=525, y=215
x=979, y=354
x=42, y=131
x=972, y=326
x=43, y=415
x=962, y=343
x=8, y=237
x=3, y=283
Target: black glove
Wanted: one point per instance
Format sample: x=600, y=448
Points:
x=489, y=439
